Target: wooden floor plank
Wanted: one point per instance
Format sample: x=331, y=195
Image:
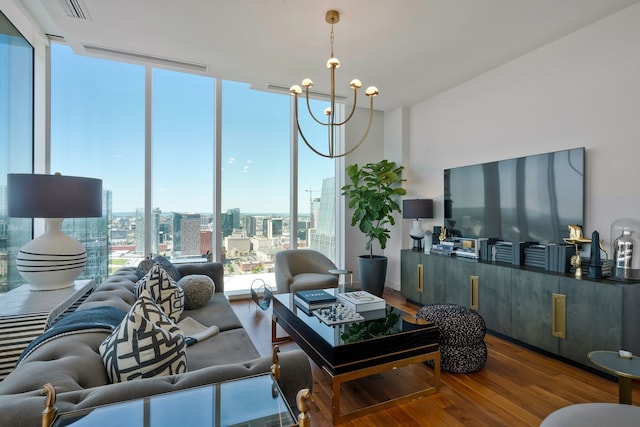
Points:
x=517, y=387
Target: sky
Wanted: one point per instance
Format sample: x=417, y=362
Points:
x=98, y=130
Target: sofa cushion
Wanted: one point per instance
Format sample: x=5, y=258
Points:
x=198, y=290
x=168, y=266
x=146, y=344
x=163, y=290
x=145, y=265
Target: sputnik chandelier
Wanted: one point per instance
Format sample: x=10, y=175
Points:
x=332, y=17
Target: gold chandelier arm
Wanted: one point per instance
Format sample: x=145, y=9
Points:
x=295, y=105
x=328, y=156
x=366, y=132
x=346, y=153
x=311, y=112
x=353, y=108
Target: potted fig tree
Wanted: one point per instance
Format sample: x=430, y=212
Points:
x=372, y=194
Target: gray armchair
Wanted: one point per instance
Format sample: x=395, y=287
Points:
x=301, y=269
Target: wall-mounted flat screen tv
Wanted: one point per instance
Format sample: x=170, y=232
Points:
x=531, y=198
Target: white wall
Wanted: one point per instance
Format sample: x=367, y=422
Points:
x=582, y=90
x=372, y=150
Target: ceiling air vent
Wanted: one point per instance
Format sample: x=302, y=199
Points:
x=143, y=58
x=75, y=9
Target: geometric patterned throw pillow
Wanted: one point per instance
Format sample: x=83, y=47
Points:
x=163, y=290
x=146, y=344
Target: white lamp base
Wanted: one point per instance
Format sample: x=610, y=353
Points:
x=53, y=260
x=417, y=234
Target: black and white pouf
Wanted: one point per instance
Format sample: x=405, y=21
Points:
x=462, y=331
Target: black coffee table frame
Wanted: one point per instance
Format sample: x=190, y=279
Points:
x=349, y=361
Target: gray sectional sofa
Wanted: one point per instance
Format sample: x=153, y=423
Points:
x=73, y=365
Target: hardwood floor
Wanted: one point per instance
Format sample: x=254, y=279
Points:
x=517, y=387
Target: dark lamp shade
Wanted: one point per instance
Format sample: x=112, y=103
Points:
x=53, y=196
x=417, y=208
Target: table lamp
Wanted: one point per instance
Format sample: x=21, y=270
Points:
x=417, y=209
x=53, y=260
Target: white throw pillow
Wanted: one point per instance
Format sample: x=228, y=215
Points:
x=163, y=290
x=146, y=344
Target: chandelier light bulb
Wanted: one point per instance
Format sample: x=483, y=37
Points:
x=333, y=63
x=327, y=111
x=307, y=83
x=356, y=84
x=295, y=90
x=371, y=91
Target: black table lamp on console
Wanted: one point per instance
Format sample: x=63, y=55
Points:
x=417, y=209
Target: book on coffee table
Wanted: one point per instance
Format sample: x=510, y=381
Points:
x=361, y=301
x=314, y=299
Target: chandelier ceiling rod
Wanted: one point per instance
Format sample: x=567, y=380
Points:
x=332, y=17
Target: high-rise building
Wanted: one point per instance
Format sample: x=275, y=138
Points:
x=186, y=234
x=226, y=224
x=206, y=241
x=140, y=231
x=274, y=227
x=303, y=230
x=250, y=225
x=235, y=217
x=94, y=235
x=155, y=231
x=324, y=238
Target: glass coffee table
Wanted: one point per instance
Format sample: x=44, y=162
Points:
x=251, y=401
x=346, y=353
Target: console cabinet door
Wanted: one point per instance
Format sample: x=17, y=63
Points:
x=594, y=318
x=435, y=278
x=458, y=281
x=410, y=281
x=532, y=309
x=494, y=297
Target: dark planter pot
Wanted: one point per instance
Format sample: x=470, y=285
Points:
x=373, y=272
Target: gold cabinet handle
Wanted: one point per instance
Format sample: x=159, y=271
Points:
x=420, y=278
x=559, y=315
x=474, y=288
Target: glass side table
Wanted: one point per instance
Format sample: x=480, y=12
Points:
x=250, y=401
x=626, y=370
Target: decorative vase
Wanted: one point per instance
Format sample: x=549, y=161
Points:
x=373, y=273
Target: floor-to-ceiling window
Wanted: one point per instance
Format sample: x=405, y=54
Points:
x=316, y=185
x=98, y=131
x=16, y=141
x=256, y=180
x=255, y=214
x=182, y=166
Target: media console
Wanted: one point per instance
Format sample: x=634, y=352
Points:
x=553, y=312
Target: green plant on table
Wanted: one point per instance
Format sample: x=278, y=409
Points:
x=371, y=328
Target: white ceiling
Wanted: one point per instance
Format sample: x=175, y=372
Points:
x=409, y=49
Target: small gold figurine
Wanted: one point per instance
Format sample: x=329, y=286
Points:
x=576, y=262
x=443, y=234
x=50, y=410
x=275, y=368
x=576, y=238
x=303, y=398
